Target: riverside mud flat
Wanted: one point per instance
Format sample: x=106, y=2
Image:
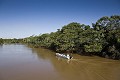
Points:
x=20, y=62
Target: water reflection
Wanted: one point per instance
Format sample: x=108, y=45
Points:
x=82, y=67
x=1, y=44
x=20, y=62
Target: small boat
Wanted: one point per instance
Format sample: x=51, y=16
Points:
x=64, y=56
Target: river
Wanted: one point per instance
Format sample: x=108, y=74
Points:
x=20, y=62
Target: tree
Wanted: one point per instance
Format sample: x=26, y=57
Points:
x=102, y=39
x=1, y=41
x=111, y=28
x=68, y=36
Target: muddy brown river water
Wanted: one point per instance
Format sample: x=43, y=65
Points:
x=19, y=62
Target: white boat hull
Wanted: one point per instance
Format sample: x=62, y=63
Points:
x=63, y=56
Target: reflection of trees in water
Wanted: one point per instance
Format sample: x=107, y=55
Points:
x=43, y=53
x=40, y=53
x=84, y=68
x=1, y=45
x=65, y=68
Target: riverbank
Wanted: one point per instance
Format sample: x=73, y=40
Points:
x=101, y=39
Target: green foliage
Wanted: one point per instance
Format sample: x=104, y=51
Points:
x=102, y=39
x=9, y=41
x=111, y=31
x=68, y=36
x=93, y=47
x=1, y=41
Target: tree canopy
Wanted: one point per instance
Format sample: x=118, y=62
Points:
x=102, y=39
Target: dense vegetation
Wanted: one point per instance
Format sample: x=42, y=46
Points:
x=1, y=41
x=10, y=41
x=102, y=39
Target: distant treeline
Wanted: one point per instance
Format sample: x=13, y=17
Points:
x=10, y=41
x=102, y=39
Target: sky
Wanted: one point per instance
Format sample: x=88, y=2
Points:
x=23, y=18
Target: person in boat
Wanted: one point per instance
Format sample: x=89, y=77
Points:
x=69, y=57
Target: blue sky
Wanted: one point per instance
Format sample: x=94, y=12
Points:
x=23, y=18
